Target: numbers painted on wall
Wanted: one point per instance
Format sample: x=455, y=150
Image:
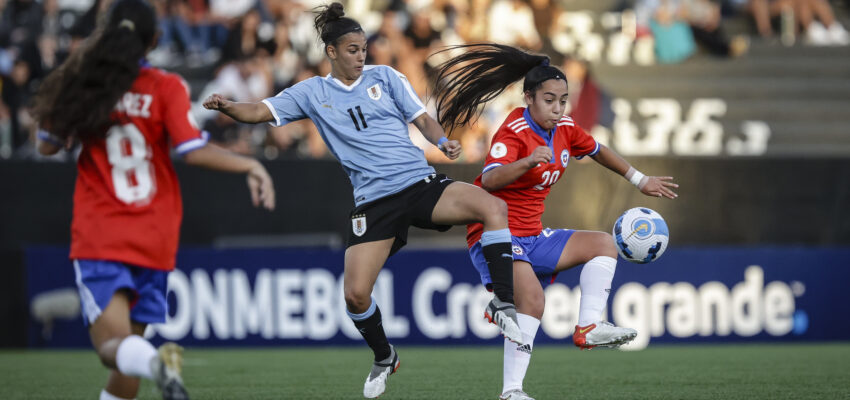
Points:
x=669, y=129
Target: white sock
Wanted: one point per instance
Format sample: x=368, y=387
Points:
x=134, y=357
x=595, y=281
x=104, y=395
x=518, y=357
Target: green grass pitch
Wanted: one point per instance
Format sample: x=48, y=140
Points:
x=752, y=371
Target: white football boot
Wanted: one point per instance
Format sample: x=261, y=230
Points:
x=503, y=315
x=515, y=394
x=376, y=382
x=602, y=333
x=166, y=369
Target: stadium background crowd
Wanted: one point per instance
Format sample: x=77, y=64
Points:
x=252, y=49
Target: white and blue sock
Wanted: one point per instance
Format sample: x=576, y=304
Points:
x=595, y=282
x=517, y=357
x=134, y=356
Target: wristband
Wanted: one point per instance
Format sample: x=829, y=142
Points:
x=442, y=141
x=635, y=177
x=49, y=138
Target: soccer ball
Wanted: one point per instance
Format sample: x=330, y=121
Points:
x=641, y=235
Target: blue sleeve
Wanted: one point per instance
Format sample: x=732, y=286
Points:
x=286, y=106
x=405, y=98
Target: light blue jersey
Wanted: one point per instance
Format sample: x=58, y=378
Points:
x=364, y=126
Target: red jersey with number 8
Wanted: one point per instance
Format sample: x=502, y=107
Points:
x=127, y=204
x=517, y=138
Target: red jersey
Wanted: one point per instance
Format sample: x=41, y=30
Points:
x=517, y=138
x=127, y=204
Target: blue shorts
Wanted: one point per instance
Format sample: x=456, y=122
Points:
x=541, y=251
x=98, y=280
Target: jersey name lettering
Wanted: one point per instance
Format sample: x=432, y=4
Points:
x=135, y=104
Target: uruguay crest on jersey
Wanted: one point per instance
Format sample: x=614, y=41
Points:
x=374, y=92
x=358, y=224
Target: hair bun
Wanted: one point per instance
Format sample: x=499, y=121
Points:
x=334, y=12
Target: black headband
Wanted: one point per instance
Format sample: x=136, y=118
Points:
x=346, y=26
x=541, y=73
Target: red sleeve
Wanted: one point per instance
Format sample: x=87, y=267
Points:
x=581, y=144
x=180, y=125
x=506, y=148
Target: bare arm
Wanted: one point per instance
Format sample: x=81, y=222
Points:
x=49, y=144
x=47, y=148
x=611, y=160
x=504, y=175
x=259, y=182
x=657, y=186
x=251, y=113
x=432, y=131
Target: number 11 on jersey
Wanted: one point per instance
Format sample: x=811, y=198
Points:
x=354, y=119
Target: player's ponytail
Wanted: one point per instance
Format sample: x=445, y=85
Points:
x=331, y=23
x=78, y=97
x=482, y=72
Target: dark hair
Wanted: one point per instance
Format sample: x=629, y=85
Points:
x=78, y=97
x=466, y=82
x=331, y=24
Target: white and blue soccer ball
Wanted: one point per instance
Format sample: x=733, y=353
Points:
x=641, y=235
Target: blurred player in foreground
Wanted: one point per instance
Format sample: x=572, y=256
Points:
x=127, y=203
x=529, y=153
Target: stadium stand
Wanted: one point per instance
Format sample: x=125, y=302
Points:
x=772, y=99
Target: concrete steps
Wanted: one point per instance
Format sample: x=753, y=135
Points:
x=802, y=93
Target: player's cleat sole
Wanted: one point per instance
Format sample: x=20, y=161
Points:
x=515, y=394
x=376, y=382
x=166, y=368
x=602, y=334
x=503, y=315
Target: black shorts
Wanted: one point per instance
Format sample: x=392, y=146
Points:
x=391, y=216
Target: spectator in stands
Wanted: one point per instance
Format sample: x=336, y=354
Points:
x=225, y=132
x=422, y=38
x=15, y=97
x=247, y=37
x=285, y=61
x=185, y=26
x=21, y=22
x=512, y=23
x=675, y=24
x=825, y=31
x=590, y=104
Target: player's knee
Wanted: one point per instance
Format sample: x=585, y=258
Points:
x=358, y=300
x=530, y=302
x=495, y=211
x=106, y=359
x=535, y=306
x=605, y=245
x=107, y=351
